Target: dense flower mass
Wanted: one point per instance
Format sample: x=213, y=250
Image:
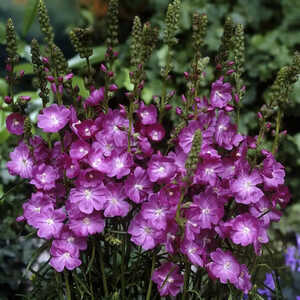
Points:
x=201, y=198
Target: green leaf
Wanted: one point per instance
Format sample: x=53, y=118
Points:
x=3, y=87
x=2, y=33
x=4, y=134
x=123, y=79
x=30, y=14
x=26, y=67
x=76, y=80
x=98, y=55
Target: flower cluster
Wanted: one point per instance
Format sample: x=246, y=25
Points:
x=110, y=164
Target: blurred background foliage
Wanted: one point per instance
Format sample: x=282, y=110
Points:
x=272, y=35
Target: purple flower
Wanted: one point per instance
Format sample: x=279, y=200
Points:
x=98, y=162
x=88, y=198
x=89, y=178
x=147, y=114
x=244, y=188
x=186, y=136
x=21, y=162
x=272, y=173
x=244, y=282
x=15, y=123
x=193, y=251
x=221, y=93
x=83, y=225
x=263, y=209
x=66, y=235
x=53, y=118
x=156, y=210
x=86, y=129
x=224, y=266
x=244, y=229
x=160, y=168
x=138, y=185
x=115, y=205
x=95, y=97
x=79, y=149
x=34, y=206
x=49, y=222
x=120, y=164
x=44, y=177
x=156, y=132
x=208, y=210
x=269, y=282
x=64, y=256
x=208, y=171
x=142, y=233
x=168, y=279
x=116, y=126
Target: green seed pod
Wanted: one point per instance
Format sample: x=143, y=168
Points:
x=11, y=42
x=27, y=130
x=193, y=157
x=172, y=23
x=44, y=21
x=226, y=42
x=239, y=50
x=136, y=44
x=199, y=31
x=80, y=39
x=112, y=24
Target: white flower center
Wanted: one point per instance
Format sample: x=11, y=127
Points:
x=88, y=194
x=43, y=177
x=138, y=187
x=205, y=211
x=227, y=265
x=86, y=221
x=16, y=123
x=209, y=171
x=54, y=120
x=71, y=239
x=67, y=255
x=50, y=221
x=119, y=163
x=245, y=229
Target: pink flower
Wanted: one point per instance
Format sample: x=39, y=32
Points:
x=168, y=279
x=64, y=256
x=95, y=97
x=244, y=282
x=160, y=168
x=115, y=205
x=49, y=222
x=21, y=162
x=193, y=251
x=83, y=224
x=224, y=266
x=147, y=114
x=53, y=118
x=138, y=185
x=142, y=233
x=244, y=188
x=15, y=123
x=79, y=149
x=244, y=229
x=156, y=132
x=221, y=93
x=120, y=164
x=88, y=198
x=44, y=177
x=208, y=210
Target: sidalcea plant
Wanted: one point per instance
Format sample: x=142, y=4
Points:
x=186, y=205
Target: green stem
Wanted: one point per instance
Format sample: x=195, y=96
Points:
x=58, y=284
x=186, y=279
x=276, y=139
x=123, y=283
x=164, y=91
x=68, y=290
x=150, y=281
x=103, y=273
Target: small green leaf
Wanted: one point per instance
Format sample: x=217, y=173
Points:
x=79, y=81
x=3, y=87
x=26, y=67
x=30, y=14
x=2, y=34
x=98, y=55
